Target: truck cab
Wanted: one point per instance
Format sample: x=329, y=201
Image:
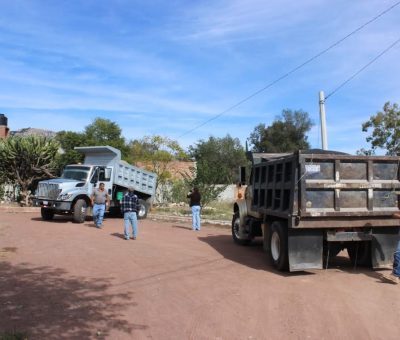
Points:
x=70, y=194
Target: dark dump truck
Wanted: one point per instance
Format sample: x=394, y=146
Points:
x=310, y=205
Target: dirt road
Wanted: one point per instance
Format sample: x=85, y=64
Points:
x=60, y=280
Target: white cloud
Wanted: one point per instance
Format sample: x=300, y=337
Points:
x=184, y=63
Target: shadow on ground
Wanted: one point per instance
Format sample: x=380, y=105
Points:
x=56, y=219
x=45, y=303
x=182, y=227
x=253, y=256
x=119, y=235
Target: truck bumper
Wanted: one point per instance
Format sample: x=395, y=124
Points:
x=55, y=205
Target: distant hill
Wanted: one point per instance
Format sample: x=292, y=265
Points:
x=33, y=132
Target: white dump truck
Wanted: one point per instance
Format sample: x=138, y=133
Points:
x=70, y=194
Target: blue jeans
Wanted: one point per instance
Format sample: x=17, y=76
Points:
x=196, y=217
x=396, y=262
x=98, y=214
x=130, y=218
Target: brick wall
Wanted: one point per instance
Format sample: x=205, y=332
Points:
x=4, y=131
x=176, y=168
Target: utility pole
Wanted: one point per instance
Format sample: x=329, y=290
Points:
x=322, y=118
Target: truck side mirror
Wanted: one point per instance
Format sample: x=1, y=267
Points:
x=242, y=175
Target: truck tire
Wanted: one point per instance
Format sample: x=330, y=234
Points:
x=278, y=246
x=143, y=209
x=360, y=254
x=80, y=209
x=237, y=236
x=47, y=214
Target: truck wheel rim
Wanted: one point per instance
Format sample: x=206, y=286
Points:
x=142, y=210
x=275, y=246
x=236, y=227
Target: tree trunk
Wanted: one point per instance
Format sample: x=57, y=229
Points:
x=24, y=196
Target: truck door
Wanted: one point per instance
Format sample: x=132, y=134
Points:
x=105, y=176
x=102, y=174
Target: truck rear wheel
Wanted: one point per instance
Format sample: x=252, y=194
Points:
x=47, y=214
x=278, y=246
x=237, y=234
x=143, y=209
x=360, y=253
x=80, y=209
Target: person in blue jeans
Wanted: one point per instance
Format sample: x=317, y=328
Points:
x=100, y=199
x=130, y=207
x=194, y=203
x=395, y=275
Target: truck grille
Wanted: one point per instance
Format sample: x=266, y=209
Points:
x=48, y=191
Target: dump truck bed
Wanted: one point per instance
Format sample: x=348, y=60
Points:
x=125, y=175
x=317, y=187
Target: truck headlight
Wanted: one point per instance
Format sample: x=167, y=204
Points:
x=64, y=197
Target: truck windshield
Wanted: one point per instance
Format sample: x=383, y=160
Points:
x=79, y=173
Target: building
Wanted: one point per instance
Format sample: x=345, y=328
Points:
x=4, y=130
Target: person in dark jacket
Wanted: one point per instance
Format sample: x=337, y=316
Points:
x=130, y=207
x=194, y=203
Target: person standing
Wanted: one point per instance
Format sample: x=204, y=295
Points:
x=194, y=203
x=100, y=200
x=130, y=207
x=394, y=276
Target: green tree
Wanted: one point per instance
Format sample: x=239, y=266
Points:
x=209, y=191
x=217, y=164
x=287, y=133
x=105, y=132
x=218, y=159
x=156, y=152
x=68, y=141
x=99, y=132
x=385, y=126
x=25, y=160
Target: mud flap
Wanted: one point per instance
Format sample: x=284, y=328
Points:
x=383, y=245
x=305, y=249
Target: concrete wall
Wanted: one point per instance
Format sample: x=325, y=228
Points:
x=10, y=192
x=229, y=195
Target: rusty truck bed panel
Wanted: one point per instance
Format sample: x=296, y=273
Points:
x=322, y=189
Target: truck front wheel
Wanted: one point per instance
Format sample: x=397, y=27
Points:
x=80, y=209
x=278, y=246
x=237, y=233
x=47, y=214
x=143, y=209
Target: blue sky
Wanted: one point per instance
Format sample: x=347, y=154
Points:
x=165, y=67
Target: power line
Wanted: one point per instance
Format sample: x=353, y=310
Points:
x=387, y=49
x=292, y=70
